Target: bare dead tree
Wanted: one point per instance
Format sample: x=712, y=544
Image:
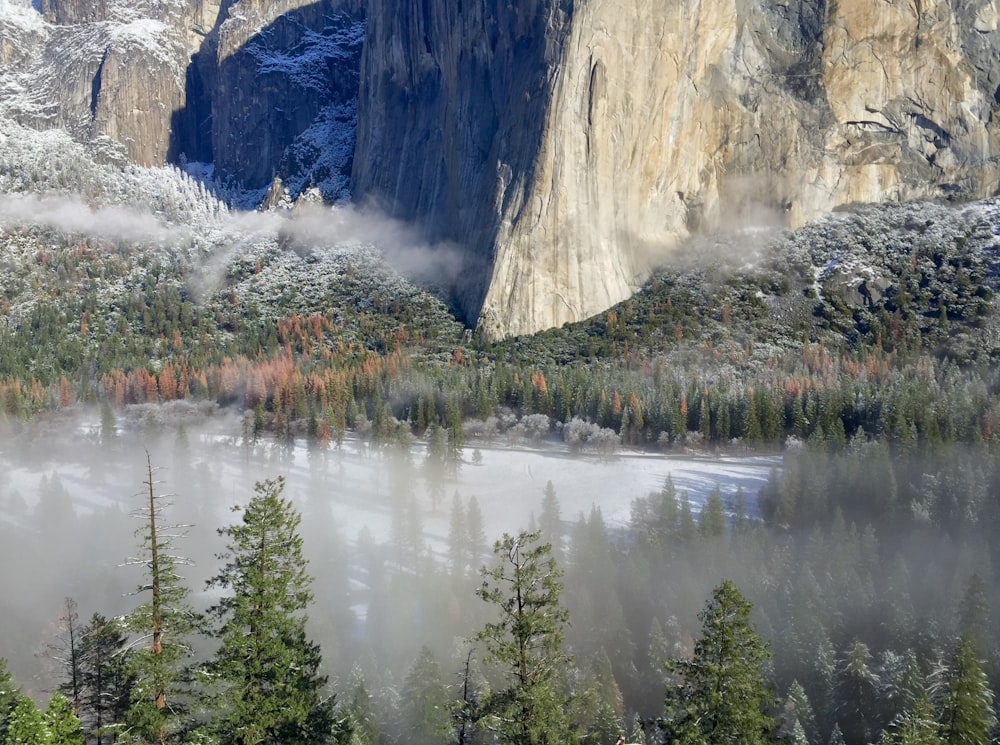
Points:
x=64, y=650
x=163, y=624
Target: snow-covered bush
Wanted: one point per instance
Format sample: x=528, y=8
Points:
x=536, y=426
x=531, y=428
x=506, y=419
x=693, y=438
x=580, y=435
x=478, y=429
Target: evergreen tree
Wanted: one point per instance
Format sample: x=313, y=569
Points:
x=65, y=649
x=162, y=627
x=687, y=529
x=525, y=643
x=836, y=736
x=604, y=727
x=720, y=694
x=741, y=521
x=603, y=694
x=663, y=645
x=798, y=709
x=63, y=724
x=272, y=691
x=856, y=695
x=426, y=702
x=550, y=523
x=917, y=726
x=902, y=684
x=666, y=514
x=10, y=697
x=456, y=438
x=109, y=430
x=712, y=519
x=797, y=735
x=27, y=725
x=637, y=734
x=974, y=613
x=436, y=463
x=105, y=678
x=599, y=623
x=964, y=698
x=476, y=531
x=363, y=719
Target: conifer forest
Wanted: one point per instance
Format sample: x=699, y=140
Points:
x=850, y=598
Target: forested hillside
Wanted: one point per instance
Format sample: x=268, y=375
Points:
x=863, y=349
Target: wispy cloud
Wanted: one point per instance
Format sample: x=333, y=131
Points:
x=73, y=215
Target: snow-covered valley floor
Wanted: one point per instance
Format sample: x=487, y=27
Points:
x=209, y=469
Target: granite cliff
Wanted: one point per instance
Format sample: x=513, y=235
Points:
x=565, y=145
x=254, y=87
x=568, y=144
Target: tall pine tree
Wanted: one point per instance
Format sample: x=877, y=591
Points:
x=161, y=627
x=268, y=670
x=964, y=698
x=63, y=723
x=720, y=694
x=105, y=679
x=525, y=643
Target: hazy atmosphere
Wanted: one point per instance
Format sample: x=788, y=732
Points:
x=68, y=484
x=379, y=373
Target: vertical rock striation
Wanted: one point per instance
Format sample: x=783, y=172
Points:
x=567, y=144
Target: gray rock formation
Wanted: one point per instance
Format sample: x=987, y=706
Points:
x=277, y=67
x=570, y=145
x=258, y=87
x=566, y=145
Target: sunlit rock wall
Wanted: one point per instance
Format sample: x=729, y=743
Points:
x=569, y=145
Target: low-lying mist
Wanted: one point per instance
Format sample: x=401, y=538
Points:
x=69, y=482
x=303, y=229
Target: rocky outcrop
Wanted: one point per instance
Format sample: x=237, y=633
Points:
x=566, y=145
x=258, y=87
x=112, y=70
x=571, y=145
x=21, y=31
x=275, y=67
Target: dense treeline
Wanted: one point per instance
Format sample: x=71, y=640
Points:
x=322, y=343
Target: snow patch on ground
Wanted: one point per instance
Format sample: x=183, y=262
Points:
x=353, y=484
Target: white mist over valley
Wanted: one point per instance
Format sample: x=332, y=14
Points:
x=65, y=483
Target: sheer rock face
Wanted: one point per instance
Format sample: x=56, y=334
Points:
x=566, y=145
x=569, y=145
x=100, y=70
x=229, y=81
x=275, y=66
